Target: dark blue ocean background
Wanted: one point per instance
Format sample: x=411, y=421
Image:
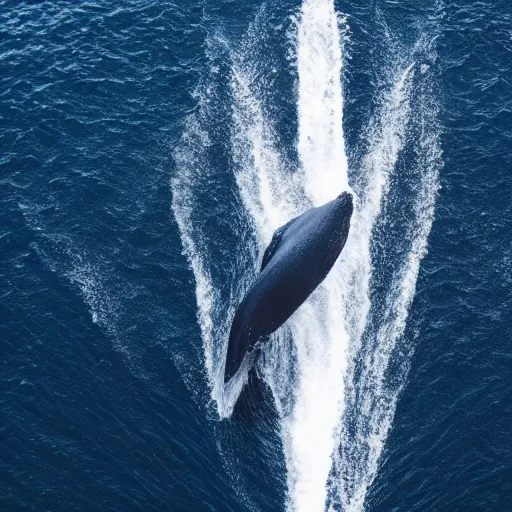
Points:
x=131, y=134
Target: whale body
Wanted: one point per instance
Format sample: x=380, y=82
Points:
x=298, y=258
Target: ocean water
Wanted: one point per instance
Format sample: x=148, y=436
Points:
x=149, y=151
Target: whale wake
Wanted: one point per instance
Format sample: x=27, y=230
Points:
x=337, y=366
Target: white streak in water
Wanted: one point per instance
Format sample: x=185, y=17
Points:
x=320, y=102
x=190, y=159
x=373, y=408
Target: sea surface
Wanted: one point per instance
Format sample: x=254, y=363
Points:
x=148, y=151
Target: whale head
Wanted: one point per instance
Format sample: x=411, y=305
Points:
x=345, y=203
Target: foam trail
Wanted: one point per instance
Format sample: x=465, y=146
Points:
x=371, y=399
x=264, y=182
x=386, y=135
x=190, y=158
x=320, y=102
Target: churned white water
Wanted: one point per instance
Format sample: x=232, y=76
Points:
x=370, y=397
x=334, y=420
x=320, y=102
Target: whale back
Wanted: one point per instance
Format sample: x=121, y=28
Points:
x=277, y=238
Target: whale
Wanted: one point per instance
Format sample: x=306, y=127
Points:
x=298, y=258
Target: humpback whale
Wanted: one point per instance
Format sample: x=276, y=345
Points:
x=298, y=258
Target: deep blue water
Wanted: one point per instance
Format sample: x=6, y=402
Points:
x=125, y=235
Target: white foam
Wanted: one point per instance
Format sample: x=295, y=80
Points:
x=190, y=159
x=372, y=409
x=320, y=102
x=268, y=189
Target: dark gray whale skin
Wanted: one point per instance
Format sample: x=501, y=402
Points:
x=297, y=260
